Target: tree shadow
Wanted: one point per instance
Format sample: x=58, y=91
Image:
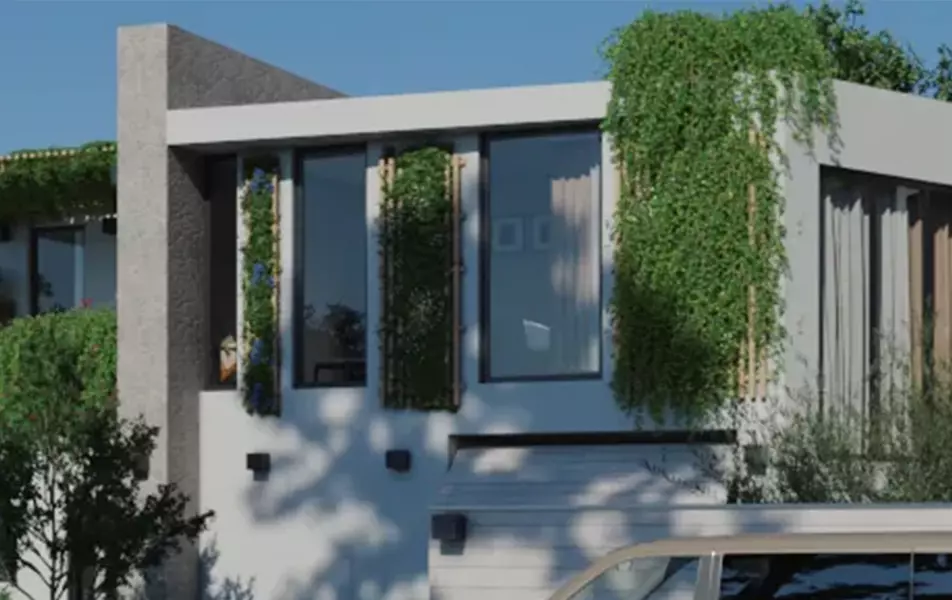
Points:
x=228, y=588
x=329, y=520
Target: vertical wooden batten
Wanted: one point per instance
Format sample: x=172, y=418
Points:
x=276, y=291
x=456, y=296
x=916, y=208
x=752, y=367
x=383, y=170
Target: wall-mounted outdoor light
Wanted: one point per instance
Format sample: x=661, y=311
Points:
x=140, y=469
x=448, y=527
x=109, y=225
x=258, y=462
x=756, y=457
x=398, y=461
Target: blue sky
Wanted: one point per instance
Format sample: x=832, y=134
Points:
x=59, y=59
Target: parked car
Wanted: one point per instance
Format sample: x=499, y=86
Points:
x=795, y=566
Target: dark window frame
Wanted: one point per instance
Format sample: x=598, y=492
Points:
x=485, y=252
x=297, y=326
x=33, y=259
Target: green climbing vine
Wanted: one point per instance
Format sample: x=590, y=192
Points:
x=694, y=106
x=260, y=270
x=416, y=247
x=58, y=182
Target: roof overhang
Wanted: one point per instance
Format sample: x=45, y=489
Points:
x=377, y=116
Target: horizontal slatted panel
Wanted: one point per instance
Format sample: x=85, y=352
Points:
x=516, y=549
x=582, y=476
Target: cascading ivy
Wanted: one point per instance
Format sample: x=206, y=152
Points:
x=416, y=246
x=54, y=183
x=260, y=270
x=699, y=219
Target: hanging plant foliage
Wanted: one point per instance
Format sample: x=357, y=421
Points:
x=259, y=285
x=419, y=288
x=698, y=231
x=56, y=183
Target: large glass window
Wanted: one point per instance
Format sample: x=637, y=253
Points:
x=812, y=576
x=58, y=277
x=331, y=269
x=541, y=297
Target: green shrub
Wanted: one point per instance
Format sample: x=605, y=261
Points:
x=51, y=356
x=70, y=468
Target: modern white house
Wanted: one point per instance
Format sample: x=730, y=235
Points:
x=538, y=471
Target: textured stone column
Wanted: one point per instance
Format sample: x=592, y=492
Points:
x=163, y=240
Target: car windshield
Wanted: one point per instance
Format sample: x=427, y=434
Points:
x=649, y=578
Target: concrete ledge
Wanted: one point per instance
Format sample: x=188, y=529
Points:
x=377, y=115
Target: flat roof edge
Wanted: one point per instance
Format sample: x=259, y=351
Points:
x=376, y=115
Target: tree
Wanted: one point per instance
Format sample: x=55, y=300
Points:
x=71, y=504
x=841, y=455
x=878, y=59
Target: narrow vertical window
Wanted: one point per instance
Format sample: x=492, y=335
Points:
x=221, y=191
x=331, y=270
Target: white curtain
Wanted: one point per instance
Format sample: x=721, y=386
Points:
x=864, y=284
x=576, y=271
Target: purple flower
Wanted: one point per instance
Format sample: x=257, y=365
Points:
x=261, y=182
x=256, y=355
x=257, y=395
x=258, y=273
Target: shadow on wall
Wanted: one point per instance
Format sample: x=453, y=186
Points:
x=368, y=529
x=213, y=588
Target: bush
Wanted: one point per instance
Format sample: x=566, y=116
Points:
x=71, y=503
x=835, y=452
x=61, y=354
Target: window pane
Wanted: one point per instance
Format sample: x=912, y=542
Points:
x=331, y=268
x=59, y=269
x=543, y=255
x=932, y=578
x=221, y=192
x=816, y=576
x=655, y=578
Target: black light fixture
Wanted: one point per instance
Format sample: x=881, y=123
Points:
x=109, y=225
x=398, y=461
x=140, y=468
x=448, y=527
x=756, y=457
x=258, y=462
